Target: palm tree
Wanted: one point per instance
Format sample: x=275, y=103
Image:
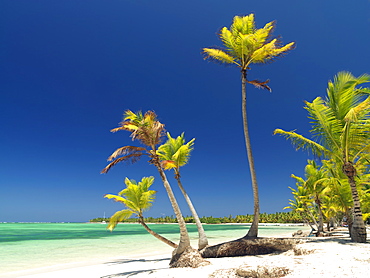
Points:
x=302, y=202
x=174, y=154
x=316, y=187
x=339, y=197
x=149, y=131
x=341, y=123
x=245, y=45
x=137, y=198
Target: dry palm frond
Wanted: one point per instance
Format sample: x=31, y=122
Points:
x=126, y=150
x=131, y=158
x=260, y=85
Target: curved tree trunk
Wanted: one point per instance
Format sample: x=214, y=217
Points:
x=203, y=241
x=184, y=236
x=253, y=231
x=358, y=230
x=161, y=238
x=312, y=217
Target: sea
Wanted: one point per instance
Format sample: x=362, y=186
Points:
x=28, y=246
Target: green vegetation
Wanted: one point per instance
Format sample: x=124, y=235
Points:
x=137, y=198
x=340, y=131
x=278, y=217
x=245, y=45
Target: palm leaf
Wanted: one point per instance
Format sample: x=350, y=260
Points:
x=118, y=217
x=126, y=150
x=301, y=142
x=131, y=158
x=325, y=126
x=219, y=55
x=260, y=85
x=169, y=164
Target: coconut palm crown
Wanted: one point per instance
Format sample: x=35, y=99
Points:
x=175, y=153
x=244, y=45
x=137, y=198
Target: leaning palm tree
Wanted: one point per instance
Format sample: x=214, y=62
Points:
x=175, y=154
x=137, y=198
x=149, y=131
x=341, y=123
x=245, y=45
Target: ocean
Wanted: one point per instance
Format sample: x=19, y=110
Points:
x=25, y=246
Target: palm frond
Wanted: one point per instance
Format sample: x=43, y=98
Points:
x=115, y=198
x=260, y=85
x=301, y=142
x=118, y=217
x=168, y=164
x=219, y=55
x=269, y=51
x=243, y=24
x=325, y=126
x=126, y=150
x=131, y=158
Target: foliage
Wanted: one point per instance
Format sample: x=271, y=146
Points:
x=244, y=44
x=136, y=197
x=340, y=133
x=278, y=217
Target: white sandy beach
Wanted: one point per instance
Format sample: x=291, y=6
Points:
x=322, y=257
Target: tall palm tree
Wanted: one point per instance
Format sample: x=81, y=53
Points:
x=341, y=123
x=137, y=198
x=245, y=45
x=149, y=131
x=175, y=154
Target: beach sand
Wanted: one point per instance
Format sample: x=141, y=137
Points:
x=314, y=257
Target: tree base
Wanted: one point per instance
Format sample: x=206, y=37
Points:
x=249, y=246
x=358, y=234
x=189, y=258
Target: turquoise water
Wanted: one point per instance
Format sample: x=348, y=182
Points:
x=35, y=245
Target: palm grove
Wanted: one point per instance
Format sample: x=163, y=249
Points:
x=243, y=46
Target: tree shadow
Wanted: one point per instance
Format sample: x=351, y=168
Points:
x=124, y=261
x=131, y=273
x=134, y=272
x=339, y=240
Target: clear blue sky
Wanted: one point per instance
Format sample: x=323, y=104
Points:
x=70, y=68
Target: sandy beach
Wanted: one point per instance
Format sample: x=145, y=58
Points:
x=314, y=257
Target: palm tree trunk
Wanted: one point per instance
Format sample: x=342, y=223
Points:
x=161, y=238
x=184, y=236
x=253, y=230
x=358, y=230
x=312, y=217
x=321, y=218
x=203, y=241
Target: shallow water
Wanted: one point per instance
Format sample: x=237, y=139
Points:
x=34, y=245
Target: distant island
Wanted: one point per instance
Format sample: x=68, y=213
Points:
x=278, y=217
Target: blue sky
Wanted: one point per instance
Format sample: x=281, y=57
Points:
x=70, y=68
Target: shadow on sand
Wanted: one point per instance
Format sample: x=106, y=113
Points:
x=135, y=272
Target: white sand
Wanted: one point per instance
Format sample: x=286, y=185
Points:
x=330, y=257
